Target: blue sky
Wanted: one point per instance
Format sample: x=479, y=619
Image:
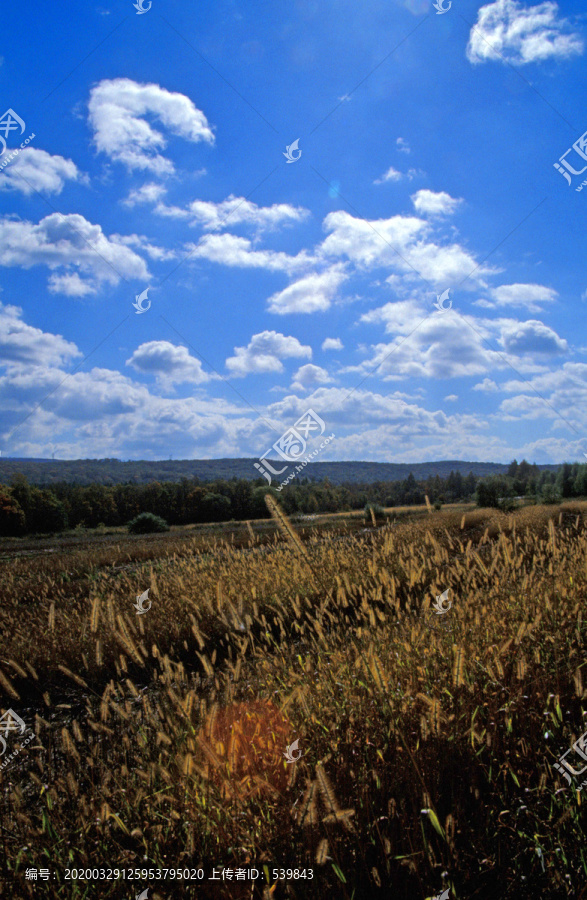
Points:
x=428, y=146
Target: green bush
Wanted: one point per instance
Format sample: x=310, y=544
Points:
x=147, y=523
x=374, y=511
x=550, y=494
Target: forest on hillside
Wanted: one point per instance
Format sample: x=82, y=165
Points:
x=27, y=508
x=116, y=471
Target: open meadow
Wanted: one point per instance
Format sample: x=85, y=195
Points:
x=424, y=743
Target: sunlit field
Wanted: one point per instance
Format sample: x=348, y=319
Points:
x=424, y=756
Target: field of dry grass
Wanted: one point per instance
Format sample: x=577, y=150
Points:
x=427, y=753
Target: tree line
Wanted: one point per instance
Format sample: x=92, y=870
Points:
x=27, y=508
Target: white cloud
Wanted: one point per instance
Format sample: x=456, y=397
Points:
x=451, y=398
x=393, y=175
x=486, y=385
x=168, y=362
x=441, y=345
x=147, y=193
x=308, y=377
x=434, y=204
x=507, y=31
x=230, y=250
x=264, y=354
x=117, y=110
x=401, y=317
x=143, y=243
x=401, y=243
x=237, y=210
x=70, y=243
x=36, y=170
x=332, y=344
x=531, y=337
x=70, y=285
x=103, y=413
x=402, y=145
x=565, y=391
x=312, y=293
x=387, y=422
x=530, y=296
x=23, y=344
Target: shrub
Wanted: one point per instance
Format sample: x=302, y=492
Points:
x=374, y=511
x=12, y=518
x=147, y=523
x=495, y=492
x=550, y=494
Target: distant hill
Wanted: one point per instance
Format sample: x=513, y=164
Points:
x=115, y=471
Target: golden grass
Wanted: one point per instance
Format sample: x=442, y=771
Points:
x=161, y=736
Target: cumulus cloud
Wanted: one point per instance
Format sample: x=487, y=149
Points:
x=72, y=244
x=169, y=362
x=434, y=204
x=507, y=31
x=402, y=243
x=393, y=175
x=565, y=389
x=117, y=111
x=405, y=430
x=37, y=170
x=442, y=346
x=312, y=293
x=402, y=145
x=103, y=413
x=235, y=211
x=144, y=244
x=532, y=337
x=530, y=296
x=147, y=193
x=231, y=250
x=487, y=385
x=70, y=285
x=264, y=354
x=23, y=344
x=308, y=377
x=332, y=344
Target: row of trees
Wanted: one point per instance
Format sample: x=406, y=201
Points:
x=545, y=487
x=27, y=508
